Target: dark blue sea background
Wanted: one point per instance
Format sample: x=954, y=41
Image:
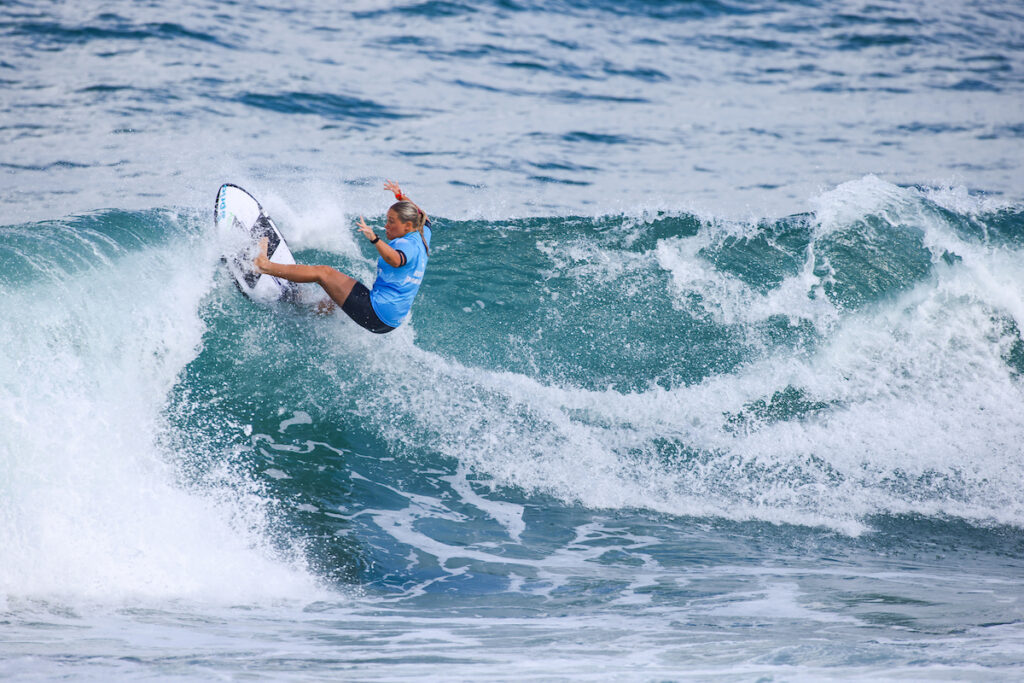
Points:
x=716, y=372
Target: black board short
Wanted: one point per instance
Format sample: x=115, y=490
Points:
x=359, y=308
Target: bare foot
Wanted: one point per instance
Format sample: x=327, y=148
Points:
x=261, y=261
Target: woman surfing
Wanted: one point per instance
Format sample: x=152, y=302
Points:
x=402, y=260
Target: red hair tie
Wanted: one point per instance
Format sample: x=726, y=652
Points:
x=400, y=197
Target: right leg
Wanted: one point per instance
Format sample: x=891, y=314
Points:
x=335, y=283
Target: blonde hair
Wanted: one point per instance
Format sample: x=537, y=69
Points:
x=408, y=212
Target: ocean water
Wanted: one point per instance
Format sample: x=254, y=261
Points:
x=716, y=372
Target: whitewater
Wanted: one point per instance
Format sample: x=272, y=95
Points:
x=715, y=373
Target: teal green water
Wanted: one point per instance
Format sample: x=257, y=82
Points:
x=715, y=373
x=804, y=423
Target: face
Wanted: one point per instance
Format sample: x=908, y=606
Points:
x=395, y=227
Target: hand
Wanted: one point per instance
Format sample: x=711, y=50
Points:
x=392, y=186
x=261, y=261
x=367, y=231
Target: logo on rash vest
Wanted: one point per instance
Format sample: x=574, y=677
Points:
x=416, y=278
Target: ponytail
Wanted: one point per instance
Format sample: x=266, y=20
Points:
x=419, y=228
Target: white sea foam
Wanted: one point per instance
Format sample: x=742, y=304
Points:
x=912, y=407
x=91, y=508
x=130, y=107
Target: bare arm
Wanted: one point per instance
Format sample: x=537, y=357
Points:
x=386, y=251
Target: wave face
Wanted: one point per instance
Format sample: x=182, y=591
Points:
x=864, y=359
x=822, y=369
x=569, y=392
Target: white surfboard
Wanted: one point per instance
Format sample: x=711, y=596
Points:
x=242, y=223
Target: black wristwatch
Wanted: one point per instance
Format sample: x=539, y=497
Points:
x=376, y=238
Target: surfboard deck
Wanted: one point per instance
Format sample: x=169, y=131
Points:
x=242, y=223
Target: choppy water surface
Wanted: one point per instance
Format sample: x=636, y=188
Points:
x=715, y=374
x=738, y=108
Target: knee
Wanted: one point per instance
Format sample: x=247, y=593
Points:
x=333, y=280
x=325, y=274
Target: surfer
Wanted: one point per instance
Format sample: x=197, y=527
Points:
x=402, y=260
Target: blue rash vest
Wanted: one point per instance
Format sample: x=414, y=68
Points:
x=395, y=288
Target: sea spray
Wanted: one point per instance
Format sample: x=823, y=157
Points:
x=873, y=369
x=656, y=415
x=100, y=318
